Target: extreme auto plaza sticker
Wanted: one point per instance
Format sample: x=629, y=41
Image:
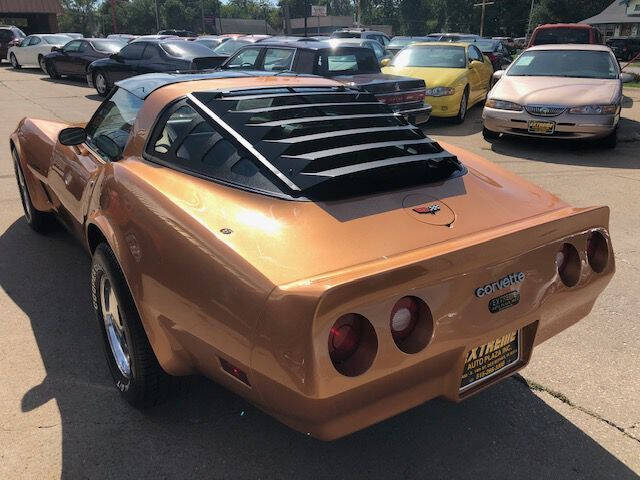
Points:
x=489, y=359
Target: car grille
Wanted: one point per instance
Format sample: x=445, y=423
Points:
x=545, y=110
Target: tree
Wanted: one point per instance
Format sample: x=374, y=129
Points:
x=78, y=16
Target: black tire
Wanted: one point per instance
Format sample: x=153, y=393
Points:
x=14, y=62
x=611, y=140
x=147, y=384
x=464, y=104
x=102, y=88
x=52, y=70
x=489, y=135
x=42, y=64
x=41, y=222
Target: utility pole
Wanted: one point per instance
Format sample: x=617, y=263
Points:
x=157, y=16
x=483, y=5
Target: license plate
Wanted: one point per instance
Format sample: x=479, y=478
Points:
x=542, y=127
x=488, y=360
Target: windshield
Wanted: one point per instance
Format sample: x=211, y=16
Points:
x=180, y=48
x=431, y=56
x=108, y=46
x=485, y=45
x=347, y=61
x=209, y=43
x=230, y=46
x=565, y=63
x=56, y=39
x=546, y=36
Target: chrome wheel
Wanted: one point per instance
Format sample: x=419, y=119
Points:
x=101, y=83
x=114, y=327
x=14, y=61
x=24, y=193
x=43, y=65
x=463, y=106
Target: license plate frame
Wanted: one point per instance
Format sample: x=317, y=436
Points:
x=542, y=127
x=481, y=365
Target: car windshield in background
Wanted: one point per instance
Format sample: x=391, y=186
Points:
x=181, y=48
x=56, y=39
x=565, y=63
x=431, y=56
x=209, y=43
x=548, y=36
x=108, y=46
x=230, y=46
x=348, y=61
x=403, y=42
x=485, y=45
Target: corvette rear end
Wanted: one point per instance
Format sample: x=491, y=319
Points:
x=307, y=247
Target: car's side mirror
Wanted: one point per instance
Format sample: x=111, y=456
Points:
x=116, y=57
x=72, y=136
x=497, y=75
x=57, y=49
x=385, y=62
x=627, y=77
x=108, y=146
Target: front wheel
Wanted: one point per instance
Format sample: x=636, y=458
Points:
x=52, y=70
x=101, y=84
x=133, y=365
x=489, y=134
x=43, y=64
x=40, y=222
x=14, y=62
x=462, y=110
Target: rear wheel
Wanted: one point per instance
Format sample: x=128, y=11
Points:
x=14, y=61
x=52, y=70
x=464, y=103
x=43, y=64
x=101, y=84
x=40, y=222
x=133, y=365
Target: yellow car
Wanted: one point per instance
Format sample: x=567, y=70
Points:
x=457, y=75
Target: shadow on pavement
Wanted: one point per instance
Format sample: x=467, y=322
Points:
x=445, y=126
x=505, y=432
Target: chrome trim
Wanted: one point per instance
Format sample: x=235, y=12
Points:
x=246, y=144
x=552, y=110
x=399, y=92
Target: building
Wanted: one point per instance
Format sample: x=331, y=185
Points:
x=242, y=25
x=31, y=16
x=620, y=19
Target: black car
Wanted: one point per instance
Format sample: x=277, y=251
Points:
x=496, y=51
x=624, y=48
x=352, y=65
x=147, y=56
x=9, y=36
x=398, y=43
x=75, y=57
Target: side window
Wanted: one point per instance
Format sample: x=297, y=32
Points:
x=133, y=51
x=5, y=35
x=114, y=120
x=187, y=141
x=378, y=50
x=85, y=47
x=151, y=52
x=72, y=46
x=474, y=53
x=35, y=41
x=25, y=42
x=278, y=59
x=247, y=58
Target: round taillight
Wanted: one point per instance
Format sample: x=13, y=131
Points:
x=344, y=337
x=353, y=344
x=411, y=324
x=404, y=317
x=568, y=264
x=597, y=251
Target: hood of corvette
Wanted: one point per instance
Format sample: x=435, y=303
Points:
x=289, y=241
x=556, y=90
x=433, y=76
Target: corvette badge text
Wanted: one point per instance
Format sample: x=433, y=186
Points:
x=509, y=280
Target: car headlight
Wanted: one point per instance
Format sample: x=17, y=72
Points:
x=502, y=105
x=440, y=91
x=594, y=109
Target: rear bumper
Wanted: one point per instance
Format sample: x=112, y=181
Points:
x=567, y=126
x=417, y=116
x=306, y=393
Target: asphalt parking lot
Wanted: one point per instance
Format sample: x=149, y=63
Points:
x=573, y=413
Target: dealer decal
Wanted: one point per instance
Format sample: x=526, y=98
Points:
x=510, y=280
x=489, y=359
x=504, y=301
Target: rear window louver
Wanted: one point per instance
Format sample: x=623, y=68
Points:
x=310, y=135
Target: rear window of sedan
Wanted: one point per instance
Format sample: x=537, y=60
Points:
x=565, y=63
x=56, y=39
x=347, y=61
x=182, y=48
x=547, y=36
x=230, y=46
x=431, y=56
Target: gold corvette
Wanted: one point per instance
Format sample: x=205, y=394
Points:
x=303, y=245
x=457, y=75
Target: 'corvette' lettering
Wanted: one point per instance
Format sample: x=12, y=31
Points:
x=508, y=281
